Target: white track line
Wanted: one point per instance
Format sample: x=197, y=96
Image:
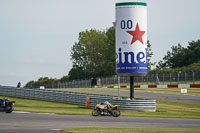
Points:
x=22, y=112
x=55, y=129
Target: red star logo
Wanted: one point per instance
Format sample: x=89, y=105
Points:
x=137, y=34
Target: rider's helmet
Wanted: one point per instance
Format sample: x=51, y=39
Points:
x=107, y=103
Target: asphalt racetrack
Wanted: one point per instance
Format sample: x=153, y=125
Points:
x=22, y=122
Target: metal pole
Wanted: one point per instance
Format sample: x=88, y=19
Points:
x=185, y=76
x=193, y=76
x=178, y=77
x=170, y=77
x=142, y=80
x=163, y=78
x=131, y=87
x=118, y=85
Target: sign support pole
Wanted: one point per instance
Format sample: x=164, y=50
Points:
x=131, y=87
x=118, y=80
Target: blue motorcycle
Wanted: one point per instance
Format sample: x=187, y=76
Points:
x=6, y=105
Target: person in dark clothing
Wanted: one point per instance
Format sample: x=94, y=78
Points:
x=94, y=82
x=19, y=85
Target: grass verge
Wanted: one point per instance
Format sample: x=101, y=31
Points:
x=165, y=109
x=48, y=107
x=130, y=130
x=169, y=109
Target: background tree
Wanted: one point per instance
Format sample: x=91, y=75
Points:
x=109, y=53
x=64, y=79
x=173, y=58
x=42, y=81
x=77, y=73
x=30, y=84
x=192, y=53
x=93, y=55
x=180, y=56
x=149, y=55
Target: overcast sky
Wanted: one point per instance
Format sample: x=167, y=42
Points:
x=36, y=36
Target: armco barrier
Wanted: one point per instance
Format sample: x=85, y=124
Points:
x=77, y=98
x=127, y=104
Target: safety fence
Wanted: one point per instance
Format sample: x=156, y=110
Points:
x=77, y=98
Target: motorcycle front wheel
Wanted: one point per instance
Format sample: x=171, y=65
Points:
x=95, y=112
x=115, y=113
x=9, y=109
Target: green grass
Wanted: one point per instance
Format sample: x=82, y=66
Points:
x=165, y=109
x=130, y=130
x=168, y=109
x=49, y=107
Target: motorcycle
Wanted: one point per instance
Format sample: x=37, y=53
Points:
x=106, y=110
x=6, y=105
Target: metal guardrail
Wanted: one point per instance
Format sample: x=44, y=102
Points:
x=125, y=103
x=77, y=98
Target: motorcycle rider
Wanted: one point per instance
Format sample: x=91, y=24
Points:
x=4, y=101
x=102, y=107
x=106, y=104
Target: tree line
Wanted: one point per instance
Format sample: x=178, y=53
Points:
x=94, y=56
x=180, y=59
